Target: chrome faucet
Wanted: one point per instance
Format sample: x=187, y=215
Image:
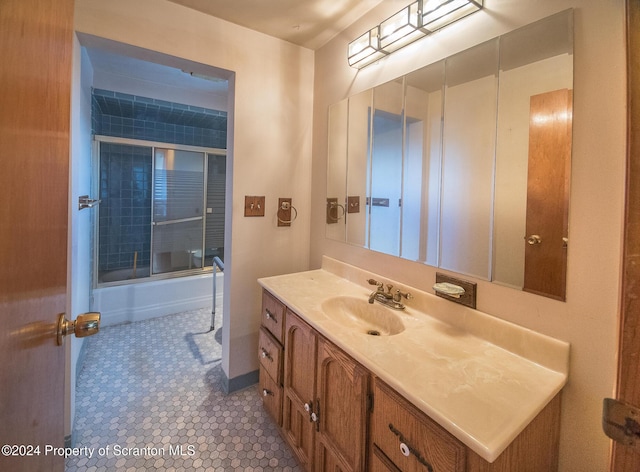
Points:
x=387, y=298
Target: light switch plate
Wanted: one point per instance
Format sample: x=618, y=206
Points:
x=353, y=204
x=253, y=206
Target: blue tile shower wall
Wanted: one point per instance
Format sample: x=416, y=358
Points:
x=126, y=171
x=131, y=116
x=125, y=211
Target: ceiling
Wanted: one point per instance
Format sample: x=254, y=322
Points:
x=308, y=23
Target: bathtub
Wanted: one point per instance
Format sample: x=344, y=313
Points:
x=144, y=300
x=124, y=274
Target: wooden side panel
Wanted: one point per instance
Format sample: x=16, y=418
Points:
x=342, y=398
x=35, y=86
x=534, y=450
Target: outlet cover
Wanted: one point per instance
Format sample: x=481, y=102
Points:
x=253, y=206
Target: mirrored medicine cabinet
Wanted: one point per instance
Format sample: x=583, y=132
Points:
x=464, y=164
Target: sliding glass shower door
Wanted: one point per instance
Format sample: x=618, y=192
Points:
x=178, y=204
x=162, y=210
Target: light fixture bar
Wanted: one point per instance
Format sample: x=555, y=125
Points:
x=437, y=14
x=402, y=28
x=413, y=22
x=366, y=49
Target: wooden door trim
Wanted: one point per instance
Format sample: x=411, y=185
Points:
x=628, y=383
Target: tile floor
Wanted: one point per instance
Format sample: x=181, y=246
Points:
x=150, y=397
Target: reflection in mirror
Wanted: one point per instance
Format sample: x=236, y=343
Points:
x=384, y=188
x=423, y=149
x=468, y=156
x=533, y=156
x=358, y=147
x=337, y=170
x=470, y=174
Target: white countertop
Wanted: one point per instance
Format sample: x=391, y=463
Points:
x=482, y=379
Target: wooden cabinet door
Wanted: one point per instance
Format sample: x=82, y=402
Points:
x=299, y=388
x=342, y=408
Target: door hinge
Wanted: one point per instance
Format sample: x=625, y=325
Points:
x=370, y=402
x=621, y=422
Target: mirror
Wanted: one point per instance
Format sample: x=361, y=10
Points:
x=464, y=164
x=471, y=88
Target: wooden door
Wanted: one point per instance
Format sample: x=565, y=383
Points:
x=35, y=77
x=548, y=193
x=624, y=458
x=342, y=403
x=299, y=388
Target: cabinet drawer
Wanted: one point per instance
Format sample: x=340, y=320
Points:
x=273, y=315
x=410, y=439
x=270, y=355
x=271, y=396
x=381, y=463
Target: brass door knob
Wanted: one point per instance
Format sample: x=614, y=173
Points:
x=534, y=239
x=84, y=325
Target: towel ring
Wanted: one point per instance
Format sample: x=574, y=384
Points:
x=288, y=222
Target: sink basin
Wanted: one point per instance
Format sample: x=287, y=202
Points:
x=360, y=315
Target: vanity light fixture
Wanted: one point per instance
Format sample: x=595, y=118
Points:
x=413, y=22
x=366, y=49
x=402, y=28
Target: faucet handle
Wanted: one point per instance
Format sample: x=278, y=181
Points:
x=389, y=287
x=374, y=282
x=399, y=295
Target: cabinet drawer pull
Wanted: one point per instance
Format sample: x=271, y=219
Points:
x=265, y=354
x=270, y=316
x=407, y=450
x=266, y=393
x=404, y=449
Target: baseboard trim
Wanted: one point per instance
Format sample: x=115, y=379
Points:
x=241, y=382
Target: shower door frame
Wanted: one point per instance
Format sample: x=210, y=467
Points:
x=95, y=185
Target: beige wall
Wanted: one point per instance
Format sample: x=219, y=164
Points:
x=270, y=130
x=588, y=320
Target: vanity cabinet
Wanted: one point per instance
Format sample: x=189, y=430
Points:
x=338, y=416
